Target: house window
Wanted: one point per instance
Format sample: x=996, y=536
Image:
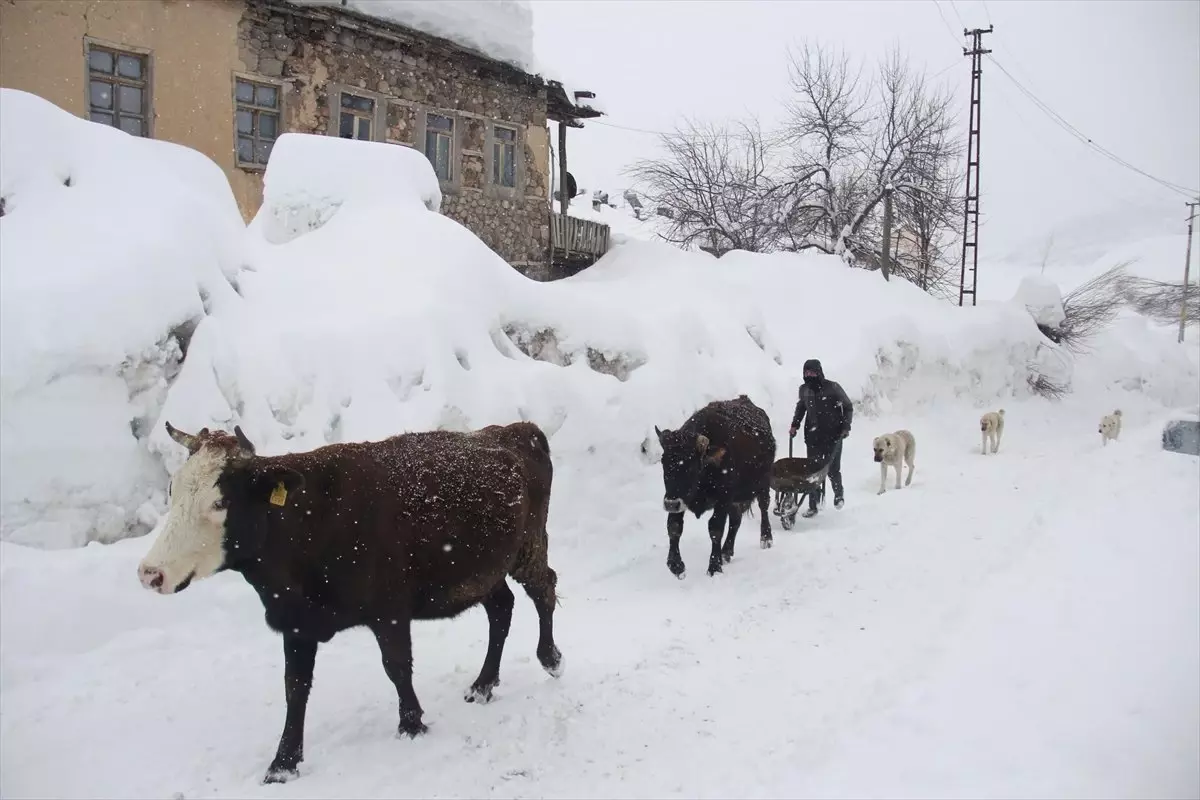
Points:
x=357, y=115
x=257, y=121
x=118, y=90
x=439, y=135
x=504, y=157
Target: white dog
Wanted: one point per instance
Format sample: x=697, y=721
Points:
x=992, y=425
x=1110, y=427
x=895, y=450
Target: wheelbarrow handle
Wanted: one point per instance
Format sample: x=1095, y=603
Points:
x=791, y=439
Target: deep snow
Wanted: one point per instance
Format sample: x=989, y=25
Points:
x=1019, y=625
x=1025, y=624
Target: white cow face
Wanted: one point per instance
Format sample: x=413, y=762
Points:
x=192, y=542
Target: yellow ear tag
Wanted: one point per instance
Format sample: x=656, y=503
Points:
x=279, y=495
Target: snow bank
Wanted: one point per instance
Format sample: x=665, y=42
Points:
x=498, y=29
x=389, y=317
x=112, y=248
x=365, y=313
x=1042, y=299
x=315, y=175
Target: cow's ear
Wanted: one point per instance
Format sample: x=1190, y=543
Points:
x=658, y=433
x=276, y=485
x=716, y=455
x=702, y=444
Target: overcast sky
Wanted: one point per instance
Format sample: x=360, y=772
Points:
x=1127, y=74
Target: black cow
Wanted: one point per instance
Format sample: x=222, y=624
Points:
x=720, y=461
x=378, y=534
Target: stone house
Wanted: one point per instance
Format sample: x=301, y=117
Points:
x=226, y=77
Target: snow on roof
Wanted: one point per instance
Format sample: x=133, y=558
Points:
x=499, y=29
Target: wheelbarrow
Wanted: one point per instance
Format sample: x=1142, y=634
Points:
x=793, y=480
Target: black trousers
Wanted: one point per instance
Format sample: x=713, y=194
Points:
x=819, y=451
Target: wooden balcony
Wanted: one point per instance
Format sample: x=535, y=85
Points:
x=576, y=243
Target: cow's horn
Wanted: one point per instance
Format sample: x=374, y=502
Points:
x=242, y=440
x=186, y=439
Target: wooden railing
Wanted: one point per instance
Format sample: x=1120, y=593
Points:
x=574, y=239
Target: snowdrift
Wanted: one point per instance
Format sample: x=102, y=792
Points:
x=111, y=248
x=361, y=312
x=381, y=316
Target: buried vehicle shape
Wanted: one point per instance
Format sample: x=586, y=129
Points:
x=416, y=526
x=719, y=460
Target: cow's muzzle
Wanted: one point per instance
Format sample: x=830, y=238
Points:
x=672, y=505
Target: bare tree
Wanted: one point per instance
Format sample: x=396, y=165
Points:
x=718, y=185
x=1161, y=300
x=1091, y=307
x=851, y=140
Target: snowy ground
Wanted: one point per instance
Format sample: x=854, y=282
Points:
x=1019, y=625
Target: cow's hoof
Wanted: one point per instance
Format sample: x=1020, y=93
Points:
x=480, y=694
x=677, y=569
x=714, y=569
x=280, y=775
x=727, y=557
x=552, y=662
x=681, y=575
x=765, y=543
x=554, y=665
x=412, y=728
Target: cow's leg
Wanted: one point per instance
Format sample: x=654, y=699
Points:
x=764, y=502
x=542, y=589
x=735, y=523
x=395, y=646
x=716, y=530
x=499, y=608
x=674, y=531
x=299, y=655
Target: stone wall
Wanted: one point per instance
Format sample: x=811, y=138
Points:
x=318, y=54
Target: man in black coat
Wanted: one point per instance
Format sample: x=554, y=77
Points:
x=830, y=413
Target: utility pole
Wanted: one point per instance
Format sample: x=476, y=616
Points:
x=886, y=250
x=1187, y=268
x=971, y=200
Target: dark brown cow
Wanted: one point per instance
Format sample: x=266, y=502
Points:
x=418, y=526
x=719, y=460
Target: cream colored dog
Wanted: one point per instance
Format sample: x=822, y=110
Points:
x=895, y=450
x=1110, y=427
x=992, y=426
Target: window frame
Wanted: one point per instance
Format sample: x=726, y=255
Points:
x=451, y=137
x=496, y=171
x=370, y=117
x=256, y=110
x=115, y=80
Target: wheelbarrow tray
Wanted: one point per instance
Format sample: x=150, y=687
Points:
x=800, y=475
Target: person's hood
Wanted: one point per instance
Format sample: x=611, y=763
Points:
x=813, y=366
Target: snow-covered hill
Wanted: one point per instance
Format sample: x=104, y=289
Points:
x=1025, y=624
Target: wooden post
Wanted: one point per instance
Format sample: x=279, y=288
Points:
x=563, y=201
x=886, y=250
x=1187, y=268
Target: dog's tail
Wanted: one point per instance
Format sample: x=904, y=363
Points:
x=1117, y=413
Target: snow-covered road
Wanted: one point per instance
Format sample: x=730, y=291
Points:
x=1020, y=625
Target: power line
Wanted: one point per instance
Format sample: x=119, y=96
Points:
x=1082, y=137
x=946, y=22
x=986, y=12
x=954, y=8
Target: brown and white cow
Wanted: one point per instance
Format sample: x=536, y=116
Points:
x=417, y=526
